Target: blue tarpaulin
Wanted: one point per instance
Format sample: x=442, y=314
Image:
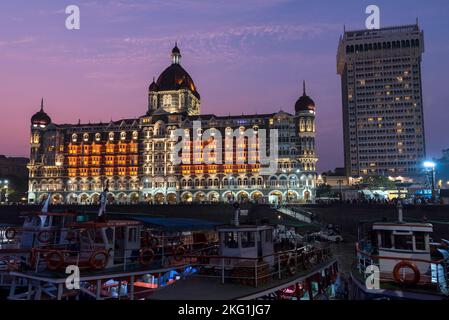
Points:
x=177, y=223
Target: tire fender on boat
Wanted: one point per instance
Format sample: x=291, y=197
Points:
x=10, y=233
x=54, y=259
x=45, y=236
x=178, y=253
x=146, y=256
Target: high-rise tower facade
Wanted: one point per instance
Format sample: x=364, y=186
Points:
x=382, y=101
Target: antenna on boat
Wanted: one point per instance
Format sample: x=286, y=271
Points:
x=103, y=200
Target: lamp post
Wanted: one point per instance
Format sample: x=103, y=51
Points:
x=430, y=166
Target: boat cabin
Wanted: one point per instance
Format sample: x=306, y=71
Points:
x=41, y=228
x=119, y=238
x=398, y=241
x=246, y=241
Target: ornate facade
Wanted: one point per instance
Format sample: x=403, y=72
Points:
x=135, y=156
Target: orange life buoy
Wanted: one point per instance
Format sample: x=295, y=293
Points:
x=45, y=236
x=405, y=264
x=96, y=263
x=153, y=242
x=179, y=253
x=146, y=256
x=54, y=259
x=10, y=233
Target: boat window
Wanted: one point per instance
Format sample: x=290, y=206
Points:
x=132, y=235
x=268, y=236
x=110, y=235
x=420, y=240
x=56, y=221
x=403, y=242
x=248, y=239
x=230, y=240
x=98, y=236
x=47, y=222
x=385, y=239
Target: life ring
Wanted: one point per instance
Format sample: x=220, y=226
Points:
x=45, y=236
x=153, y=242
x=98, y=264
x=146, y=256
x=178, y=253
x=54, y=260
x=10, y=233
x=405, y=264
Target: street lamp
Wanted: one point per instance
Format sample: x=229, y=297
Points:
x=430, y=166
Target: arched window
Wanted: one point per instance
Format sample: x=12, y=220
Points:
x=97, y=136
x=309, y=125
x=167, y=100
x=74, y=137
x=86, y=137
x=302, y=125
x=123, y=135
x=135, y=135
x=111, y=136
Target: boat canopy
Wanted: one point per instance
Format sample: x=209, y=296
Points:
x=177, y=224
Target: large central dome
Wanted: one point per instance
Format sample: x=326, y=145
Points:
x=175, y=77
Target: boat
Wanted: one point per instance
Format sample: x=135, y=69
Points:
x=124, y=259
x=400, y=260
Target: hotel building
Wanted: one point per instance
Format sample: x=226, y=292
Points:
x=134, y=157
x=382, y=101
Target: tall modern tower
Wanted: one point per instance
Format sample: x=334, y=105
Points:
x=382, y=101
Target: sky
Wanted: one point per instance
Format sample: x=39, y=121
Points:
x=245, y=56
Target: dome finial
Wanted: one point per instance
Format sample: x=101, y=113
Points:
x=304, y=88
x=176, y=54
x=42, y=104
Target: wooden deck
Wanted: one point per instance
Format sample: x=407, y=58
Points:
x=201, y=288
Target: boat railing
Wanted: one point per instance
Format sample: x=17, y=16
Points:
x=246, y=271
x=260, y=270
x=437, y=275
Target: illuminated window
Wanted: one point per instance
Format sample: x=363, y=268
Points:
x=97, y=136
x=167, y=100
x=86, y=137
x=111, y=136
x=123, y=135
x=74, y=137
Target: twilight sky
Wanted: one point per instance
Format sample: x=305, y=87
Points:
x=244, y=56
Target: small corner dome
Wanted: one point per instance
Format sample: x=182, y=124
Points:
x=304, y=103
x=40, y=117
x=154, y=86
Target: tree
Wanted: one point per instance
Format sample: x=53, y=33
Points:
x=324, y=190
x=378, y=183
